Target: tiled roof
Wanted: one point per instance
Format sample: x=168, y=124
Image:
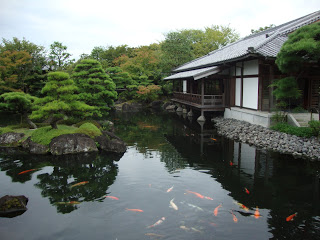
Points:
x=266, y=43
x=196, y=74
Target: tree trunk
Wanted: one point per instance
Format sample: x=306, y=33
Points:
x=54, y=121
x=30, y=123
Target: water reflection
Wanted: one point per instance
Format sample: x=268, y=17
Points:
x=98, y=169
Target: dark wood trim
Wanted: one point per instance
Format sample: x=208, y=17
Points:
x=247, y=76
x=241, y=88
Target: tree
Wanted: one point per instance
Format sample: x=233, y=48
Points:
x=261, y=29
x=300, y=51
x=60, y=100
x=59, y=57
x=121, y=78
x=96, y=88
x=30, y=76
x=18, y=103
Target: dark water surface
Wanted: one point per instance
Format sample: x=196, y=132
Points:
x=203, y=171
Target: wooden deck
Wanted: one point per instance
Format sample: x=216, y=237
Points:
x=207, y=102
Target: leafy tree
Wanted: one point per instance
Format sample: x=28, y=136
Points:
x=149, y=93
x=60, y=100
x=96, y=88
x=121, y=78
x=30, y=76
x=299, y=52
x=261, y=29
x=18, y=103
x=59, y=57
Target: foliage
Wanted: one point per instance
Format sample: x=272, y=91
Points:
x=148, y=94
x=286, y=90
x=60, y=100
x=44, y=135
x=16, y=102
x=96, y=88
x=298, y=131
x=315, y=128
x=89, y=129
x=279, y=117
x=59, y=57
x=5, y=130
x=261, y=29
x=29, y=75
x=94, y=122
x=121, y=78
x=302, y=46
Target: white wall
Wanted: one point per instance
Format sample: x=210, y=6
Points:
x=250, y=93
x=184, y=86
x=238, y=91
x=251, y=67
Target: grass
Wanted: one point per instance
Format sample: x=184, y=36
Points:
x=298, y=131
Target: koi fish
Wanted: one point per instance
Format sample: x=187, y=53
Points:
x=235, y=219
x=242, y=206
x=212, y=224
x=195, y=230
x=231, y=163
x=79, y=184
x=68, y=203
x=154, y=235
x=173, y=205
x=157, y=223
x=112, y=197
x=184, y=228
x=257, y=213
x=209, y=198
x=195, y=193
x=247, y=191
x=215, y=212
x=26, y=171
x=195, y=207
x=290, y=218
x=170, y=189
x=134, y=210
x=213, y=139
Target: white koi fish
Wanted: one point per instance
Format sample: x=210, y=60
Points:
x=195, y=207
x=157, y=223
x=170, y=189
x=173, y=205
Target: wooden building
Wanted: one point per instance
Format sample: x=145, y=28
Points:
x=236, y=78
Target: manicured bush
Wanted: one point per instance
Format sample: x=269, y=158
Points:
x=298, y=131
x=89, y=129
x=315, y=127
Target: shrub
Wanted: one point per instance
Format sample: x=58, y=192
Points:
x=89, y=129
x=94, y=122
x=298, y=131
x=5, y=130
x=149, y=93
x=315, y=128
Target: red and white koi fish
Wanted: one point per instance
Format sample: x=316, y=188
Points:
x=195, y=193
x=235, y=219
x=173, y=205
x=257, y=213
x=170, y=189
x=112, y=197
x=134, y=210
x=26, y=171
x=242, y=206
x=247, y=191
x=215, y=211
x=157, y=223
x=79, y=184
x=290, y=218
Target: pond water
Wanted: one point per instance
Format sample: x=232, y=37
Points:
x=177, y=180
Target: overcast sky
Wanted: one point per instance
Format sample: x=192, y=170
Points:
x=83, y=24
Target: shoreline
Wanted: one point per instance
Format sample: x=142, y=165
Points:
x=266, y=138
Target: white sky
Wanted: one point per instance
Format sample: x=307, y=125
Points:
x=83, y=24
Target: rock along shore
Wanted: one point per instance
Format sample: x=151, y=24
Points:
x=265, y=138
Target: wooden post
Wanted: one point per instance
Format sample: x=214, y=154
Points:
x=202, y=91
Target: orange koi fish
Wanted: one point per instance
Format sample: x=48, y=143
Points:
x=213, y=139
x=134, y=210
x=290, y=218
x=235, y=219
x=26, y=171
x=79, y=184
x=154, y=235
x=247, y=191
x=195, y=193
x=157, y=223
x=112, y=197
x=215, y=212
x=170, y=189
x=257, y=213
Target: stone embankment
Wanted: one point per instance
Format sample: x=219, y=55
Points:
x=268, y=139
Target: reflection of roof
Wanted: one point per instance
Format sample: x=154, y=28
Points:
x=196, y=74
x=266, y=43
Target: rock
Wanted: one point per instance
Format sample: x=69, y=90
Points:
x=35, y=148
x=171, y=107
x=156, y=104
x=72, y=143
x=12, y=206
x=165, y=105
x=131, y=107
x=10, y=138
x=115, y=145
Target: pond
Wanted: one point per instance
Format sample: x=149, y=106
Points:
x=177, y=180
